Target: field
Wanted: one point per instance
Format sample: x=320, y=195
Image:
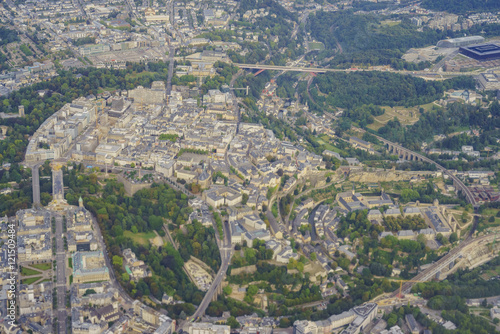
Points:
x=29, y=272
x=140, y=238
x=139, y=75
x=42, y=266
x=407, y=116
x=390, y=23
x=30, y=280
x=316, y=46
x=325, y=140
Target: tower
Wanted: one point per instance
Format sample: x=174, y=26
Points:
x=21, y=111
x=80, y=202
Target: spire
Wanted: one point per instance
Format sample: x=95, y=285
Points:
x=80, y=202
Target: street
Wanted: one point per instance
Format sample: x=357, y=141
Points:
x=60, y=275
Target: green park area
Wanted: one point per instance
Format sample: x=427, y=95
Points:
x=29, y=272
x=140, y=238
x=42, y=266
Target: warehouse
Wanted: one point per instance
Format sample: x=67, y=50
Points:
x=461, y=41
x=486, y=51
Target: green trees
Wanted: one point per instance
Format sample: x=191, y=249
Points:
x=200, y=242
x=38, y=108
x=232, y=322
x=407, y=223
x=360, y=92
x=461, y=6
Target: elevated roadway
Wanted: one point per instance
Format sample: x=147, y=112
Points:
x=411, y=155
x=349, y=70
x=35, y=186
x=447, y=262
x=225, y=249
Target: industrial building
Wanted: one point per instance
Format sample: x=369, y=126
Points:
x=461, y=41
x=486, y=51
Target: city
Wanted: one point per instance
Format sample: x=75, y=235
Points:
x=249, y=167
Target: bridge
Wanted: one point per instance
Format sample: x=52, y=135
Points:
x=262, y=67
x=469, y=254
x=407, y=154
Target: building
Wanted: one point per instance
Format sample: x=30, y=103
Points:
x=155, y=95
x=207, y=328
x=361, y=144
x=461, y=41
x=89, y=267
x=412, y=324
x=487, y=51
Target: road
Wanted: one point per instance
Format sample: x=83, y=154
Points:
x=324, y=70
x=455, y=253
x=456, y=181
x=440, y=64
x=60, y=275
x=236, y=109
x=126, y=300
x=35, y=179
x=78, y=4
x=171, y=53
x=225, y=249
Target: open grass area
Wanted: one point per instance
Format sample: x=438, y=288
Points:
x=316, y=46
x=407, y=116
x=490, y=212
x=29, y=272
x=42, y=266
x=70, y=262
x=325, y=140
x=390, y=23
x=139, y=75
x=140, y=238
x=30, y=280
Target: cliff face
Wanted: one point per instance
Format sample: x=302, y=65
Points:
x=384, y=176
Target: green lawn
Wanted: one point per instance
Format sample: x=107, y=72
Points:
x=29, y=272
x=30, y=280
x=70, y=262
x=42, y=266
x=316, y=46
x=490, y=212
x=140, y=238
x=139, y=75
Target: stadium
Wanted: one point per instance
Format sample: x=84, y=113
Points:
x=461, y=41
x=488, y=51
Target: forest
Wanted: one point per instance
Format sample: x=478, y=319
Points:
x=439, y=121
x=462, y=6
x=148, y=210
x=407, y=223
x=464, y=283
x=466, y=322
x=350, y=90
x=364, y=40
x=8, y=36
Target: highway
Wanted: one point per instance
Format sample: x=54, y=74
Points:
x=171, y=53
x=225, y=249
x=236, y=109
x=324, y=70
x=445, y=261
x=60, y=275
x=35, y=179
